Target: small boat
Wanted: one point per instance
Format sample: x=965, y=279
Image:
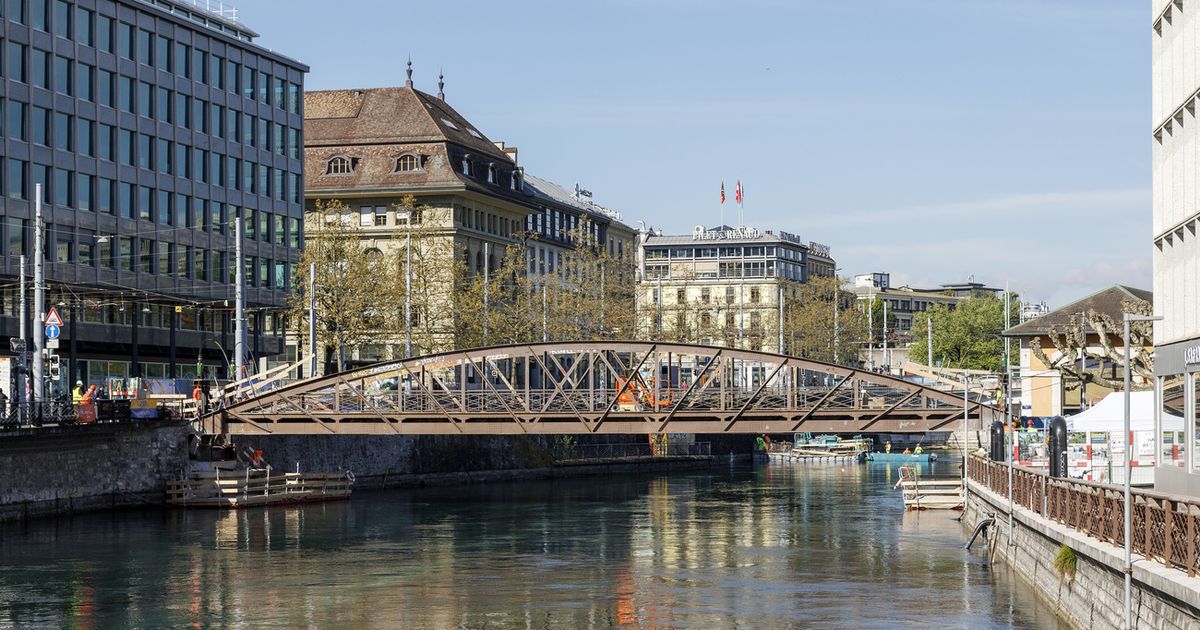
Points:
x=238, y=487
x=902, y=458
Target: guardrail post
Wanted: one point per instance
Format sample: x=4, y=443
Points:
x=1168, y=531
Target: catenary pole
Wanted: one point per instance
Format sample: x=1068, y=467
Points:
x=408, y=347
x=239, y=305
x=39, y=298
x=312, y=319
x=22, y=376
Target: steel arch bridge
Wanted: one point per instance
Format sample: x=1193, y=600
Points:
x=600, y=387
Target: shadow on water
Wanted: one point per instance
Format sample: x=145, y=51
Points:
x=775, y=546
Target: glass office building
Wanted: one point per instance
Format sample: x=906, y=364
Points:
x=151, y=126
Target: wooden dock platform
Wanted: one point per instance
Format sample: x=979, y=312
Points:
x=811, y=457
x=251, y=487
x=930, y=493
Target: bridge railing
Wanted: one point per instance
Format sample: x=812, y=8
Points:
x=500, y=399
x=1164, y=528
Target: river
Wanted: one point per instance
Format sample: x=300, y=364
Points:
x=778, y=546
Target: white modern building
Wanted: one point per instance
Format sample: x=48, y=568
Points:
x=1176, y=205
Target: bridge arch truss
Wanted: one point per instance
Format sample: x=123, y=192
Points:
x=600, y=387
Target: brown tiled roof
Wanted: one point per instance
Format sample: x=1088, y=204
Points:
x=1107, y=301
x=388, y=116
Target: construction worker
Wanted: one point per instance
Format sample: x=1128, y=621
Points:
x=198, y=396
x=88, y=397
x=77, y=393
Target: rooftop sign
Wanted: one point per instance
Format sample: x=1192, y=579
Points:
x=701, y=234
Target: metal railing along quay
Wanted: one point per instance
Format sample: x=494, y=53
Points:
x=1164, y=528
x=598, y=452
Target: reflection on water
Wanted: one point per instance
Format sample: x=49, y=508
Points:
x=768, y=547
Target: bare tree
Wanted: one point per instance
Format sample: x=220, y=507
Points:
x=1071, y=343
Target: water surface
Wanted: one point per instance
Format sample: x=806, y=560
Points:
x=779, y=546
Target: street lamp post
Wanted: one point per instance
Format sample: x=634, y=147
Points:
x=1129, y=317
x=408, y=349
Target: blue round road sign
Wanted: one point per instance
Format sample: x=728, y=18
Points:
x=52, y=331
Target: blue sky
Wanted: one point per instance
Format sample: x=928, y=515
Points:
x=933, y=139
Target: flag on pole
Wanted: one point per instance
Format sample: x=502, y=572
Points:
x=737, y=193
x=722, y=192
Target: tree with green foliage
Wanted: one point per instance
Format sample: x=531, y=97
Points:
x=966, y=336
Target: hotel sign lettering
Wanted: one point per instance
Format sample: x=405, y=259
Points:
x=1191, y=355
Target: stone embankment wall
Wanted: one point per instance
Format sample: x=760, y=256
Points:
x=407, y=460
x=50, y=471
x=1163, y=598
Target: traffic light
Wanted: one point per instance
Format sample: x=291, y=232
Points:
x=55, y=369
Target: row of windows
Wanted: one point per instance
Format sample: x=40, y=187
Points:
x=157, y=51
x=660, y=253
x=69, y=190
x=345, y=165
x=157, y=102
x=748, y=269
x=145, y=255
x=84, y=192
x=484, y=221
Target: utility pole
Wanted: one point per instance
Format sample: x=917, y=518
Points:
x=871, y=330
x=1011, y=455
x=837, y=297
x=487, y=263
x=886, y=362
x=928, y=339
x=545, y=318
x=312, y=319
x=22, y=374
x=39, y=298
x=408, y=284
x=781, y=320
x=239, y=302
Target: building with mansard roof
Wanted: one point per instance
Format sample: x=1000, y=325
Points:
x=370, y=148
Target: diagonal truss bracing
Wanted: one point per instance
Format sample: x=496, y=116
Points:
x=618, y=387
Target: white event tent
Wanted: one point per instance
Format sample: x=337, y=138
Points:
x=1108, y=415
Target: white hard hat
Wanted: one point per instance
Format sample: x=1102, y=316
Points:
x=79, y=382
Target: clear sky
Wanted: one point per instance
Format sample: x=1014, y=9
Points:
x=933, y=139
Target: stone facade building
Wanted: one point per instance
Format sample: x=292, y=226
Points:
x=722, y=285
x=371, y=148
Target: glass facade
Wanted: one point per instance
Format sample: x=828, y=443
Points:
x=102, y=103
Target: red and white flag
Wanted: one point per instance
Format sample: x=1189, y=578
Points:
x=722, y=192
x=737, y=193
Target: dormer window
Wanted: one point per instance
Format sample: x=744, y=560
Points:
x=408, y=163
x=491, y=173
x=467, y=168
x=339, y=165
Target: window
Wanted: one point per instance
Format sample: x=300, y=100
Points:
x=15, y=122
x=247, y=82
x=165, y=151
x=163, y=204
x=105, y=192
x=106, y=141
x=125, y=146
x=264, y=87
x=145, y=52
x=41, y=126
x=125, y=199
x=15, y=54
x=83, y=82
x=755, y=295
x=145, y=203
x=62, y=19
x=491, y=174
x=16, y=10
x=183, y=110
x=126, y=90
x=62, y=131
x=145, y=151
x=164, y=104
x=199, y=65
x=339, y=166
x=277, y=85
x=125, y=40
x=162, y=53
x=83, y=27
x=39, y=14
x=63, y=182
x=293, y=143
x=145, y=106
x=104, y=33
x=83, y=190
x=104, y=88
x=63, y=80
x=466, y=165
x=39, y=64
x=293, y=98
